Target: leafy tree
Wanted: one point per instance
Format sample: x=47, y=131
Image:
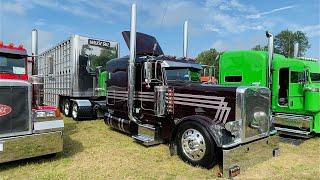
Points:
x=260, y=48
x=105, y=56
x=209, y=57
x=95, y=60
x=285, y=40
x=284, y=43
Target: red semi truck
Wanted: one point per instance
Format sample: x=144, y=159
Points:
x=27, y=128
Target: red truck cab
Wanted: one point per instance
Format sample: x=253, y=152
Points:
x=13, y=62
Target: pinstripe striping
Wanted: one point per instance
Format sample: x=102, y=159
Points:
x=210, y=102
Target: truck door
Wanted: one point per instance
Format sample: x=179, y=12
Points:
x=146, y=94
x=296, y=87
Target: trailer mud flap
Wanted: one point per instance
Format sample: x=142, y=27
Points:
x=28, y=146
x=242, y=157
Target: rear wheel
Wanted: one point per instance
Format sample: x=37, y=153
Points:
x=75, y=110
x=195, y=145
x=67, y=108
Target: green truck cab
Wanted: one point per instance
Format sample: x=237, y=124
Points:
x=294, y=83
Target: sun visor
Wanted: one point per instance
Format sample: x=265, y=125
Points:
x=145, y=44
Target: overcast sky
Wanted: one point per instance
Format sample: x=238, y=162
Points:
x=220, y=24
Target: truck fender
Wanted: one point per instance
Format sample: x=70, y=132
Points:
x=85, y=109
x=214, y=130
x=81, y=102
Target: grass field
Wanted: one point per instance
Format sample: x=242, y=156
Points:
x=94, y=151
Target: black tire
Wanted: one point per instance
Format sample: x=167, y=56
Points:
x=75, y=111
x=67, y=108
x=204, y=154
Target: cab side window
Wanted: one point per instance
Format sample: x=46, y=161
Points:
x=233, y=79
x=297, y=77
x=283, y=86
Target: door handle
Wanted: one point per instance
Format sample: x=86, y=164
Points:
x=291, y=103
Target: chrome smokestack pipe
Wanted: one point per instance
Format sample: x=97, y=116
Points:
x=296, y=50
x=34, y=42
x=270, y=56
x=34, y=51
x=185, y=39
x=131, y=65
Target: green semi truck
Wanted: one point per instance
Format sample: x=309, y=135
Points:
x=294, y=83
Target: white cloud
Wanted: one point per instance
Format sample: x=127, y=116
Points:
x=312, y=30
x=211, y=28
x=12, y=7
x=230, y=5
x=220, y=45
x=259, y=15
x=40, y=22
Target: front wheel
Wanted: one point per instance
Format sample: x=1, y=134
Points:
x=195, y=145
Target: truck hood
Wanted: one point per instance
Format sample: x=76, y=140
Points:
x=202, y=89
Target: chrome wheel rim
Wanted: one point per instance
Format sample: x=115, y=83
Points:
x=66, y=108
x=75, y=111
x=193, y=144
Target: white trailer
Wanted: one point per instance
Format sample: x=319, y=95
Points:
x=71, y=70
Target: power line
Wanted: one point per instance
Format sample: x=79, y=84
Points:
x=164, y=11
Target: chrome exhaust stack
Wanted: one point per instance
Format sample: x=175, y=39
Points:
x=131, y=65
x=270, y=56
x=185, y=39
x=34, y=50
x=34, y=42
x=296, y=50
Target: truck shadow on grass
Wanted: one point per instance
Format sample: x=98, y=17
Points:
x=70, y=148
x=296, y=141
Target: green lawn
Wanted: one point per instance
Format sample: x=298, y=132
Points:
x=94, y=151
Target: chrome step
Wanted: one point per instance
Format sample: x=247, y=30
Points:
x=148, y=135
x=294, y=132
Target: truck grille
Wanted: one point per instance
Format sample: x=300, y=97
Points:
x=255, y=113
x=15, y=117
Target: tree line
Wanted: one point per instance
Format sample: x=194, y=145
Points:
x=283, y=44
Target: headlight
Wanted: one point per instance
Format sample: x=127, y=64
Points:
x=40, y=114
x=51, y=114
x=44, y=114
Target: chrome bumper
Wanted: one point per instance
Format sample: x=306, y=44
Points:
x=290, y=120
x=45, y=139
x=241, y=157
x=27, y=146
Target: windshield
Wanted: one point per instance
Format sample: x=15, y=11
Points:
x=12, y=65
x=183, y=75
x=315, y=77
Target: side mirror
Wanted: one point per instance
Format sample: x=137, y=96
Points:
x=148, y=72
x=306, y=76
x=98, y=69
